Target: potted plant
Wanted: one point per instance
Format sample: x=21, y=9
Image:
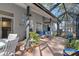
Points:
x=34, y=37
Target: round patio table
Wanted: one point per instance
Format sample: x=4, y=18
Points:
x=70, y=51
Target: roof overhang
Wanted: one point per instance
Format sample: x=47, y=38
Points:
x=39, y=9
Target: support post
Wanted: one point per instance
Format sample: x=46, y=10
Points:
x=57, y=29
x=77, y=27
x=27, y=45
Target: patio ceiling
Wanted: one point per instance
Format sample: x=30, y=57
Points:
x=38, y=9
x=63, y=11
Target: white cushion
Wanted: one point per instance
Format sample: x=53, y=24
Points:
x=12, y=36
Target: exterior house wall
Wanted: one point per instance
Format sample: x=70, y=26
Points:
x=36, y=19
x=18, y=13
x=17, y=19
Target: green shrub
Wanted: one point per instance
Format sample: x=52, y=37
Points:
x=35, y=37
x=74, y=44
x=54, y=34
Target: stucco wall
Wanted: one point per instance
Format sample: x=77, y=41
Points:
x=18, y=13
x=36, y=19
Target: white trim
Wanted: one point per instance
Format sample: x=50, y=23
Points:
x=6, y=16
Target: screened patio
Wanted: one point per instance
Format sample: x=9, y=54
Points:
x=66, y=15
x=43, y=29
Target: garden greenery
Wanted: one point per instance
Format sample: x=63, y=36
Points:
x=35, y=37
x=74, y=44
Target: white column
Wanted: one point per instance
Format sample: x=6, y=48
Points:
x=27, y=34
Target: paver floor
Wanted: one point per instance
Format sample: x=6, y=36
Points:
x=52, y=47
